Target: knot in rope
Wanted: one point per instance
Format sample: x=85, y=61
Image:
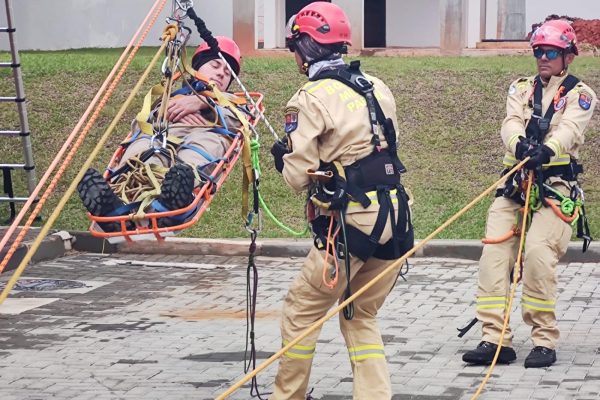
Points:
x=567, y=206
x=535, y=201
x=170, y=32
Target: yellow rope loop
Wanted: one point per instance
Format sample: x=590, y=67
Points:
x=141, y=183
x=170, y=32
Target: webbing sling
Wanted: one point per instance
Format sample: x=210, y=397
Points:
x=538, y=125
x=537, y=131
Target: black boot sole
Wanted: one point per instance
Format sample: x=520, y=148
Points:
x=481, y=360
x=99, y=199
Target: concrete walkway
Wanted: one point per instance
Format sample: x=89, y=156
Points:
x=127, y=326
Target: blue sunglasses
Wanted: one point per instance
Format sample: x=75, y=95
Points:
x=551, y=54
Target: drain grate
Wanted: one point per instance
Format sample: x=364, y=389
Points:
x=39, y=285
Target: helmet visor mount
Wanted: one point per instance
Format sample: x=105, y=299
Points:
x=291, y=33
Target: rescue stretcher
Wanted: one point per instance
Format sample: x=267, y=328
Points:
x=147, y=227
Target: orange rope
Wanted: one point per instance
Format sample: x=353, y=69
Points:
x=560, y=214
x=331, y=240
x=503, y=238
x=155, y=10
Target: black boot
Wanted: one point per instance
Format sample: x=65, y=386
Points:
x=176, y=191
x=484, y=354
x=98, y=198
x=540, y=357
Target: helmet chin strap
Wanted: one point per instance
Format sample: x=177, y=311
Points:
x=565, y=65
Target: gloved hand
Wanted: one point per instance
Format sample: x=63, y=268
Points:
x=278, y=150
x=539, y=156
x=523, y=146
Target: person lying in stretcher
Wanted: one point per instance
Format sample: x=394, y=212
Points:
x=199, y=134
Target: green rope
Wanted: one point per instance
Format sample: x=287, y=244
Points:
x=535, y=203
x=567, y=205
x=279, y=223
x=254, y=150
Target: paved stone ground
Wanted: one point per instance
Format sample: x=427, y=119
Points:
x=173, y=327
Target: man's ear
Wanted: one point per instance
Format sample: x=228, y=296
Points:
x=569, y=58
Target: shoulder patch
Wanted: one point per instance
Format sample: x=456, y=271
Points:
x=585, y=100
x=291, y=119
x=520, y=85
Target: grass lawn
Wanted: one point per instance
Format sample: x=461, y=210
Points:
x=449, y=109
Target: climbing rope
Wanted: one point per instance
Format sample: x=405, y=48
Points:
x=127, y=55
x=254, y=148
x=251, y=294
x=516, y=278
x=367, y=286
x=73, y=185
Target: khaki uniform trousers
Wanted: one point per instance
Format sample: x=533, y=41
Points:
x=214, y=144
x=308, y=300
x=546, y=242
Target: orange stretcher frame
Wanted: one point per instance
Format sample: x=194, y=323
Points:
x=203, y=195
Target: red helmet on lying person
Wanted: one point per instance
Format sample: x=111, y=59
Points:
x=229, y=49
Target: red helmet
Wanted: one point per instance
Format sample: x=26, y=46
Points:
x=229, y=49
x=558, y=33
x=324, y=22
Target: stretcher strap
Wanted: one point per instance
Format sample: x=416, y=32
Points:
x=248, y=175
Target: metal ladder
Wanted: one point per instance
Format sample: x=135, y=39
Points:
x=24, y=133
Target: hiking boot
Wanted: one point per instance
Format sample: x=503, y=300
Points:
x=98, y=198
x=484, y=354
x=540, y=357
x=176, y=192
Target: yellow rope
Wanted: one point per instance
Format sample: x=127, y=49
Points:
x=363, y=289
x=72, y=187
x=516, y=276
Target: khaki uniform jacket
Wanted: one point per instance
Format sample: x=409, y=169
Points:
x=196, y=136
x=332, y=123
x=566, y=134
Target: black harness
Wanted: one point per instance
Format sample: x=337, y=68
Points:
x=539, y=124
x=380, y=171
x=536, y=131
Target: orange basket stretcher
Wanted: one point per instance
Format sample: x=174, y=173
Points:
x=147, y=228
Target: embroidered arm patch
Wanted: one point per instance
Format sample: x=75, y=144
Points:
x=291, y=119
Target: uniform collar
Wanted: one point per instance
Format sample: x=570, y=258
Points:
x=319, y=66
x=555, y=81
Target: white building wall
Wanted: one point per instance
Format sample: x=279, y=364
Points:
x=68, y=24
x=413, y=23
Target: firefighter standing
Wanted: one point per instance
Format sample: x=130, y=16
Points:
x=546, y=118
x=341, y=124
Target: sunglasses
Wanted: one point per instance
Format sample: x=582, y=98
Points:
x=551, y=54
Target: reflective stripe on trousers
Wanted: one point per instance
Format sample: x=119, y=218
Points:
x=300, y=351
x=537, y=304
x=368, y=351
